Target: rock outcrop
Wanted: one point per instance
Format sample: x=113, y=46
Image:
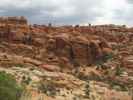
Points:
x=79, y=50
x=13, y=28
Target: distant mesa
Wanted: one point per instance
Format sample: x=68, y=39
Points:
x=14, y=20
x=13, y=25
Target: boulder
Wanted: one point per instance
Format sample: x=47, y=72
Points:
x=32, y=61
x=80, y=52
x=51, y=68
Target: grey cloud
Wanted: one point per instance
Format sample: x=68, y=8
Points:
x=66, y=11
x=40, y=11
x=130, y=1
x=124, y=15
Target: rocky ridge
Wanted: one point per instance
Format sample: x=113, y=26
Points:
x=68, y=62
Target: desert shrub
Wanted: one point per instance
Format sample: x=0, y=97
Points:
x=19, y=65
x=119, y=70
x=87, y=91
x=26, y=80
x=9, y=89
x=48, y=88
x=120, y=86
x=104, y=59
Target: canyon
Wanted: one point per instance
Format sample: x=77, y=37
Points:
x=70, y=62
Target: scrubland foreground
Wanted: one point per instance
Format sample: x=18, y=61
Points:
x=45, y=62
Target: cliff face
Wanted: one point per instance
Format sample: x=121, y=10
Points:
x=77, y=49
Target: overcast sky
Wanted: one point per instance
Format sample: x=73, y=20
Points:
x=70, y=11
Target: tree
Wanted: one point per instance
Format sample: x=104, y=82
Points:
x=9, y=89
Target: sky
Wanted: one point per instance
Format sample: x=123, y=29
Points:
x=64, y=12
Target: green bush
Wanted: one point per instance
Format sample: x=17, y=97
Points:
x=119, y=70
x=9, y=90
x=19, y=65
x=104, y=59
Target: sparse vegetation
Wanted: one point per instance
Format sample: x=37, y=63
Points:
x=118, y=86
x=48, y=88
x=118, y=70
x=107, y=57
x=87, y=91
x=26, y=80
x=99, y=63
x=19, y=65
